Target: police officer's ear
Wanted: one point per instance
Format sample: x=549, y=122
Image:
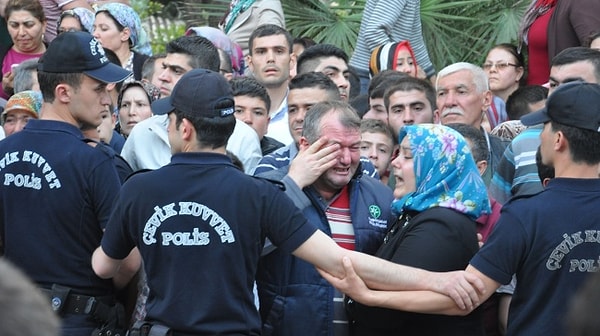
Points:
x=187, y=130
x=63, y=93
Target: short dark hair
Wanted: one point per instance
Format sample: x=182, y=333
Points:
x=310, y=58
x=315, y=80
x=517, y=104
x=248, y=86
x=49, y=80
x=148, y=67
x=579, y=54
x=203, y=54
x=270, y=30
x=383, y=80
x=304, y=41
x=478, y=147
x=544, y=171
x=411, y=83
x=378, y=126
x=211, y=132
x=347, y=116
x=584, y=144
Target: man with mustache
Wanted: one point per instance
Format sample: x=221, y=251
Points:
x=463, y=96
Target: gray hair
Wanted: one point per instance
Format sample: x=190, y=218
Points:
x=480, y=78
x=23, y=72
x=347, y=116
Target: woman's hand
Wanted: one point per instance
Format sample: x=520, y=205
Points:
x=7, y=83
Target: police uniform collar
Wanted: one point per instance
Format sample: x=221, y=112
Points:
x=200, y=158
x=54, y=125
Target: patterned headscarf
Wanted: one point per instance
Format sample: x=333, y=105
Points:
x=151, y=90
x=384, y=57
x=445, y=173
x=127, y=17
x=223, y=42
x=83, y=15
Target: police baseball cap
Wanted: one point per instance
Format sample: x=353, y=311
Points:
x=199, y=92
x=80, y=52
x=575, y=104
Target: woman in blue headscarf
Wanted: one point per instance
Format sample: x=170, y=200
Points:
x=118, y=27
x=438, y=196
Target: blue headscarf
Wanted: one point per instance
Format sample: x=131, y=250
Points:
x=128, y=17
x=445, y=173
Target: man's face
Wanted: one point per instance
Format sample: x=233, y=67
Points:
x=271, y=60
x=459, y=101
x=90, y=102
x=252, y=111
x=378, y=147
x=299, y=101
x=174, y=66
x=408, y=108
x=578, y=71
x=376, y=110
x=335, y=178
x=336, y=69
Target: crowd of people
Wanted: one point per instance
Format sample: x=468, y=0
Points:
x=249, y=182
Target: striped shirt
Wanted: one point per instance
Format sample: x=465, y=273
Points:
x=387, y=21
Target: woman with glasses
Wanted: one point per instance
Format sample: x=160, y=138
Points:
x=76, y=19
x=505, y=70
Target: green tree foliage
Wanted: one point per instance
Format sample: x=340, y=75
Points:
x=453, y=30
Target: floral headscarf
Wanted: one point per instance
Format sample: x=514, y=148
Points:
x=384, y=57
x=223, y=42
x=445, y=172
x=127, y=17
x=27, y=101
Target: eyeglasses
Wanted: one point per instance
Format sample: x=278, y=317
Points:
x=500, y=65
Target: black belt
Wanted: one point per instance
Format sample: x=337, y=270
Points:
x=75, y=303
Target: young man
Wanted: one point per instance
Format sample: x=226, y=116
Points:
x=58, y=191
x=270, y=61
x=410, y=101
x=378, y=143
x=252, y=104
x=540, y=237
x=211, y=232
x=147, y=146
x=330, y=60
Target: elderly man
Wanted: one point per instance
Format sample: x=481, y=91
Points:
x=463, y=96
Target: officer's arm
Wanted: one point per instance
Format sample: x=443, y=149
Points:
x=320, y=250
x=426, y=302
x=120, y=270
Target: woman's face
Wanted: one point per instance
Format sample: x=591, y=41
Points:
x=404, y=170
x=107, y=33
x=25, y=31
x=502, y=70
x=69, y=24
x=405, y=62
x=134, y=108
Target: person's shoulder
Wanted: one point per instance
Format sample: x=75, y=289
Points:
x=523, y=200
